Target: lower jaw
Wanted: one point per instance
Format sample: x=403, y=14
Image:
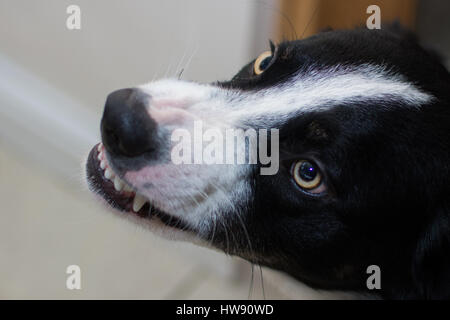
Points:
x=119, y=195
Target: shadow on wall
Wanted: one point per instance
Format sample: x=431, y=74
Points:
x=433, y=26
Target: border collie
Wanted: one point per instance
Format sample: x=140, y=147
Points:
x=363, y=118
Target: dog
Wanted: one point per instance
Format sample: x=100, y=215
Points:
x=363, y=124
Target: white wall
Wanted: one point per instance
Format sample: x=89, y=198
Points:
x=123, y=43
x=53, y=83
x=52, y=76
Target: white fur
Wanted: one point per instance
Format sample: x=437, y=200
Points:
x=319, y=91
x=313, y=90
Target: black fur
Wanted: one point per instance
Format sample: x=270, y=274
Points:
x=387, y=168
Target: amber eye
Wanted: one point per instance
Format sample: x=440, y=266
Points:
x=262, y=62
x=307, y=175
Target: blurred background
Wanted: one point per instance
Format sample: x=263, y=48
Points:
x=53, y=84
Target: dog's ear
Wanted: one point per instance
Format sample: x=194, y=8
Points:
x=431, y=266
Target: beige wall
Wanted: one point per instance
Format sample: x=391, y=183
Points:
x=53, y=83
x=123, y=43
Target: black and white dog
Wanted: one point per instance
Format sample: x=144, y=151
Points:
x=364, y=162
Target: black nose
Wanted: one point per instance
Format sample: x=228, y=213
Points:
x=126, y=127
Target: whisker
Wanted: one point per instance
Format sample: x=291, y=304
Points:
x=283, y=15
x=310, y=20
x=180, y=74
x=226, y=236
x=250, y=289
x=211, y=241
x=262, y=282
x=189, y=60
x=238, y=215
x=180, y=63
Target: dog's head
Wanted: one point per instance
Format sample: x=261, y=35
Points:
x=356, y=172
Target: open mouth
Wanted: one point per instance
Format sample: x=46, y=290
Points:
x=119, y=195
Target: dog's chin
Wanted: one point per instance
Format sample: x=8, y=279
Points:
x=120, y=199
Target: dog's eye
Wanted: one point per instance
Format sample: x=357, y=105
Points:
x=262, y=62
x=307, y=175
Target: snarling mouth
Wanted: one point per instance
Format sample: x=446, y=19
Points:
x=118, y=194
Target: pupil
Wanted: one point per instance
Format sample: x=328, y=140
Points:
x=263, y=65
x=307, y=171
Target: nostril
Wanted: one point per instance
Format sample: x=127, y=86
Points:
x=113, y=138
x=126, y=127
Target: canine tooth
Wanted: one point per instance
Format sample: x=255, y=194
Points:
x=109, y=174
x=99, y=157
x=118, y=184
x=138, y=202
x=103, y=164
x=99, y=148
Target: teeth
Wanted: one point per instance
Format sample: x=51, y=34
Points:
x=138, y=202
x=103, y=164
x=99, y=157
x=118, y=184
x=127, y=188
x=99, y=148
x=109, y=174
